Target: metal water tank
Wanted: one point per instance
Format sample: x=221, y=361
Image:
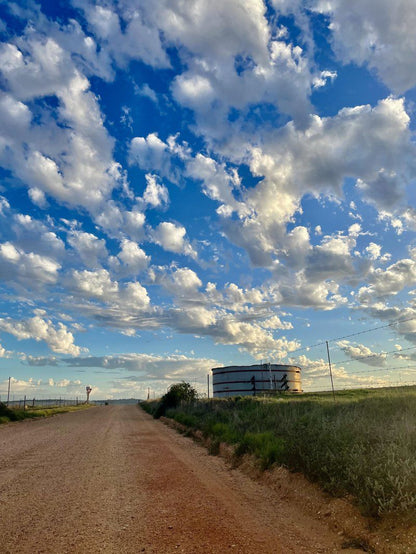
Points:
x=258, y=379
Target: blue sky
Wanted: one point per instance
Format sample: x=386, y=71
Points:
x=190, y=184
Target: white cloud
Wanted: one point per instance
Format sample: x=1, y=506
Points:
x=373, y=250
x=41, y=388
x=254, y=339
x=133, y=224
x=385, y=192
x=378, y=33
x=59, y=339
x=354, y=230
x=359, y=143
x=69, y=159
x=29, y=269
x=315, y=375
x=275, y=322
x=35, y=236
x=299, y=291
x=90, y=248
x=133, y=257
x=118, y=29
x=146, y=91
x=322, y=79
x=332, y=258
x=171, y=237
x=235, y=63
x=5, y=353
x=389, y=281
x=362, y=354
x=150, y=367
x=155, y=194
x=218, y=183
x=97, y=285
x=38, y=197
x=182, y=282
x=150, y=153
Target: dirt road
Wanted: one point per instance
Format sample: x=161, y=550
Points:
x=113, y=480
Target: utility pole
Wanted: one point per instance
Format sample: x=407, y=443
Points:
x=8, y=392
x=330, y=370
x=208, y=385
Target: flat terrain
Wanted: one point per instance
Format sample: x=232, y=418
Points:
x=111, y=479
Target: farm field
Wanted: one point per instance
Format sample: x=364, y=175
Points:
x=113, y=479
x=362, y=444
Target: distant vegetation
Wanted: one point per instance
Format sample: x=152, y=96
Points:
x=177, y=395
x=363, y=444
x=14, y=414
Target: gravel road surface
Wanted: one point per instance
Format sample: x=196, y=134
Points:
x=113, y=480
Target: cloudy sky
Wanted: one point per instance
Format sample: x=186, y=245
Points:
x=188, y=184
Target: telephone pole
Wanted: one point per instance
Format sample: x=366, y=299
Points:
x=8, y=392
x=330, y=370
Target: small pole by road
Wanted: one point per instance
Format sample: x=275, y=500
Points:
x=8, y=392
x=330, y=370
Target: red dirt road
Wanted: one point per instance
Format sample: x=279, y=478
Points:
x=113, y=480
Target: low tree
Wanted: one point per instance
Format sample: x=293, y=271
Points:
x=177, y=394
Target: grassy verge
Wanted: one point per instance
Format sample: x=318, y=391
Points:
x=363, y=444
x=11, y=414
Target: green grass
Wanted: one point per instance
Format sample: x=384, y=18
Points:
x=364, y=444
x=13, y=414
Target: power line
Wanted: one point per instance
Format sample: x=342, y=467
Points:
x=374, y=355
x=355, y=334
x=385, y=369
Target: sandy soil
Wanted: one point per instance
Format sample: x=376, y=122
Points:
x=113, y=480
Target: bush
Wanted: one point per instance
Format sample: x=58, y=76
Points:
x=178, y=394
x=9, y=415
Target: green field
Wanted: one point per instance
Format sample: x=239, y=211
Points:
x=13, y=414
x=363, y=444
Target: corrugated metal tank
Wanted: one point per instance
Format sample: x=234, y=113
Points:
x=254, y=380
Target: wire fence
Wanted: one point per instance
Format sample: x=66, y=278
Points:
x=28, y=403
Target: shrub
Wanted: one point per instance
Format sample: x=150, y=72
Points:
x=8, y=414
x=180, y=393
